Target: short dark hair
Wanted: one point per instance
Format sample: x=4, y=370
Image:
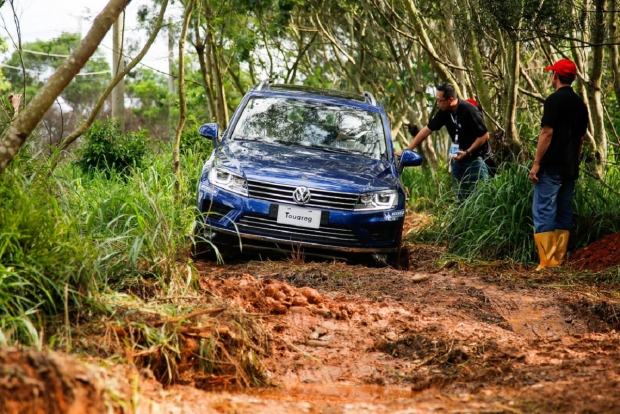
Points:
x=565, y=80
x=448, y=90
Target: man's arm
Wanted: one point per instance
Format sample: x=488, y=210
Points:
x=544, y=140
x=420, y=136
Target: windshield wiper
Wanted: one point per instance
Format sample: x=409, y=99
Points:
x=244, y=138
x=328, y=149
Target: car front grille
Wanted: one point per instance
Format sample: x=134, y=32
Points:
x=268, y=226
x=284, y=194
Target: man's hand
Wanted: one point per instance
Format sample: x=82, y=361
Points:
x=534, y=173
x=459, y=155
x=398, y=153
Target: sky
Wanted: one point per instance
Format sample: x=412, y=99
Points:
x=47, y=19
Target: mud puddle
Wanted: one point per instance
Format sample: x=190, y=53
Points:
x=335, y=393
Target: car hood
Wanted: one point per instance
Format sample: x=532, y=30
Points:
x=294, y=165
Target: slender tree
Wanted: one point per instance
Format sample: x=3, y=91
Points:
x=176, y=163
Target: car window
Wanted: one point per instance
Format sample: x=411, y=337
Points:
x=312, y=124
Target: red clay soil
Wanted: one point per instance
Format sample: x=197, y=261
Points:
x=597, y=256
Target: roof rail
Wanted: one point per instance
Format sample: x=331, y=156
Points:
x=263, y=83
x=370, y=97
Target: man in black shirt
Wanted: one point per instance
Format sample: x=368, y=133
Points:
x=469, y=138
x=556, y=164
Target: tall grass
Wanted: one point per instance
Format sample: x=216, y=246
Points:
x=427, y=189
x=68, y=236
x=139, y=225
x=42, y=253
x=495, y=222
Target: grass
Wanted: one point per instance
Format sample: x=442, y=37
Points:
x=42, y=253
x=495, y=222
x=100, y=247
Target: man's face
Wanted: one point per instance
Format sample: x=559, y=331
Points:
x=443, y=103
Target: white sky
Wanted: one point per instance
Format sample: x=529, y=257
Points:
x=47, y=19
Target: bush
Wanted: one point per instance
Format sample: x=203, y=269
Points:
x=141, y=230
x=41, y=254
x=107, y=149
x=495, y=222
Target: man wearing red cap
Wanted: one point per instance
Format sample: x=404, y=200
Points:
x=556, y=164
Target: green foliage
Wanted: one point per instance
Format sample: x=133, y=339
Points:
x=107, y=149
x=148, y=91
x=41, y=255
x=192, y=141
x=140, y=228
x=427, y=193
x=495, y=222
x=596, y=208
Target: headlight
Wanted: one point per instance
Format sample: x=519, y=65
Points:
x=222, y=178
x=379, y=200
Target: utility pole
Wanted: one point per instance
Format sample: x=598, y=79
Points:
x=118, y=65
x=171, y=129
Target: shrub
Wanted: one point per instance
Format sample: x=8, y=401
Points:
x=107, y=149
x=495, y=222
x=42, y=257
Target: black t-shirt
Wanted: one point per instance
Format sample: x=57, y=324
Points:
x=465, y=126
x=566, y=113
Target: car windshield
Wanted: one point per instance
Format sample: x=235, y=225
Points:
x=312, y=124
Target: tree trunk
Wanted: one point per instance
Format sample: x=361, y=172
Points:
x=510, y=104
x=416, y=20
x=118, y=66
x=176, y=161
x=213, y=67
x=613, y=52
x=594, y=89
x=206, y=75
x=26, y=122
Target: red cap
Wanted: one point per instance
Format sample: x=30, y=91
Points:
x=472, y=101
x=564, y=67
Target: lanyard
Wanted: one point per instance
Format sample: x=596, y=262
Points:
x=456, y=124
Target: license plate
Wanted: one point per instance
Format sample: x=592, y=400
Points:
x=300, y=217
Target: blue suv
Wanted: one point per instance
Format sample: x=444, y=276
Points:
x=304, y=170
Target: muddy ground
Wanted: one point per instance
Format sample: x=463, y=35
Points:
x=441, y=336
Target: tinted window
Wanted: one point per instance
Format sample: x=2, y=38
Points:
x=312, y=124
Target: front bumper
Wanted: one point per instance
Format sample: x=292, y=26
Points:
x=226, y=218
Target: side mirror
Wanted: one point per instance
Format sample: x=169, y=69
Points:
x=409, y=159
x=211, y=130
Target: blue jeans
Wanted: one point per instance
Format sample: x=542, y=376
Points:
x=551, y=206
x=465, y=175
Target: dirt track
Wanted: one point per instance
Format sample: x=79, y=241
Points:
x=496, y=339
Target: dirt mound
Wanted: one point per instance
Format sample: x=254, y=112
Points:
x=41, y=382
x=597, y=256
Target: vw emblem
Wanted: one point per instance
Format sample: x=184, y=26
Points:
x=301, y=195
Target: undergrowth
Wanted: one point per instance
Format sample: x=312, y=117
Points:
x=495, y=222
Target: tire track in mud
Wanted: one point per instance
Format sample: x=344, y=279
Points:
x=453, y=334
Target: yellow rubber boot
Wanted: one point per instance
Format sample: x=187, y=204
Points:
x=547, y=246
x=561, y=237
